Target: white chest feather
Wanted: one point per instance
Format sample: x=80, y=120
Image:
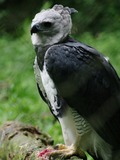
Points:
x=50, y=89
x=46, y=86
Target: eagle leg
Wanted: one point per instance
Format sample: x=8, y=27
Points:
x=63, y=152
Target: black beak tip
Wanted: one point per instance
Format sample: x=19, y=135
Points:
x=34, y=29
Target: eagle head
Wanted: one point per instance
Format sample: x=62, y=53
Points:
x=52, y=25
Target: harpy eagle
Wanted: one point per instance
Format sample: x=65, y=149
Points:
x=80, y=86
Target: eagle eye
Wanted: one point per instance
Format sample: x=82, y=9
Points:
x=47, y=24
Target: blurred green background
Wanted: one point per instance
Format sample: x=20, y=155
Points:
x=97, y=24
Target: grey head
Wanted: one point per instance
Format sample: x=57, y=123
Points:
x=52, y=25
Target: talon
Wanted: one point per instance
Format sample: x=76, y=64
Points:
x=60, y=147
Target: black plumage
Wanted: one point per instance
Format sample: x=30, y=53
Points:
x=88, y=83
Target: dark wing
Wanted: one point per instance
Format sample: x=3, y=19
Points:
x=89, y=84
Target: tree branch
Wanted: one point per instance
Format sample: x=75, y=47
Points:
x=19, y=141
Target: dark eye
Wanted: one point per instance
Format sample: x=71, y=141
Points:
x=47, y=24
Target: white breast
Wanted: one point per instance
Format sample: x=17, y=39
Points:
x=50, y=90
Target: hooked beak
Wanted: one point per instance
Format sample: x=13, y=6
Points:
x=35, y=28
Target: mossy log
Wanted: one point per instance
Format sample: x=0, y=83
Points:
x=19, y=141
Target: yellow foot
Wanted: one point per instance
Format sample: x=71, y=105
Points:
x=62, y=152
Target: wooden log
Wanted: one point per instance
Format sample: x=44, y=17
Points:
x=19, y=141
